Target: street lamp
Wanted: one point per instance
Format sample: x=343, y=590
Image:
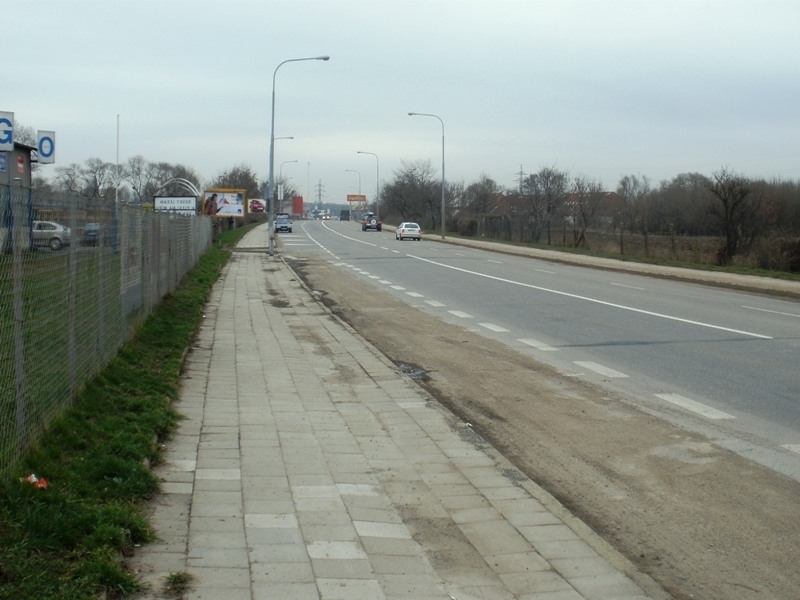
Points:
x=280, y=178
x=415, y=114
x=377, y=180
x=280, y=169
x=359, y=178
x=271, y=179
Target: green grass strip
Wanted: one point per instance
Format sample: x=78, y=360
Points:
x=65, y=541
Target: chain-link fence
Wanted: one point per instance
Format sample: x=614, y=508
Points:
x=76, y=276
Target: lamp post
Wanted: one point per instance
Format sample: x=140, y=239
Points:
x=271, y=179
x=359, y=178
x=415, y=114
x=281, y=182
x=280, y=169
x=377, y=180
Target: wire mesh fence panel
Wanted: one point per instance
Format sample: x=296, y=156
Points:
x=76, y=276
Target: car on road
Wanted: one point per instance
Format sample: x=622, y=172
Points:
x=371, y=221
x=48, y=234
x=283, y=224
x=408, y=231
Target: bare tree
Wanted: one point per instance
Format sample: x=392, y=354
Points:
x=477, y=200
x=536, y=208
x=241, y=177
x=95, y=179
x=632, y=190
x=553, y=185
x=479, y=196
x=584, y=201
x=736, y=208
x=414, y=195
x=680, y=206
x=136, y=173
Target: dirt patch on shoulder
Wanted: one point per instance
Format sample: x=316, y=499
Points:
x=701, y=521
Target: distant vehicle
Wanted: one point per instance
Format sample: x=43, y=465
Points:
x=283, y=224
x=256, y=206
x=371, y=221
x=408, y=231
x=344, y=215
x=90, y=235
x=51, y=235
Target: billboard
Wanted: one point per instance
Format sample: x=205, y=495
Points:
x=224, y=202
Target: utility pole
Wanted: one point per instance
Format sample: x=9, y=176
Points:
x=319, y=192
x=520, y=179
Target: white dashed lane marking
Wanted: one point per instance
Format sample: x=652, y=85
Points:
x=493, y=327
x=694, y=406
x=459, y=314
x=605, y=371
x=537, y=344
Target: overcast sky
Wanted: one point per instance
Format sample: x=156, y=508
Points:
x=598, y=88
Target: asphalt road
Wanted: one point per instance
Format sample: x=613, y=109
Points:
x=718, y=361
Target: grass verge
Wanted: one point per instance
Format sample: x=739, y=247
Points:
x=64, y=541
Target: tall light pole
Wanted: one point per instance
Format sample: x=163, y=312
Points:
x=359, y=177
x=280, y=179
x=271, y=179
x=280, y=169
x=415, y=114
x=377, y=180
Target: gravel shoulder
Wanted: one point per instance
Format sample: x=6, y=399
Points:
x=700, y=520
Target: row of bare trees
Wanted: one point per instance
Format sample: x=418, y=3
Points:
x=549, y=207
x=137, y=180
x=553, y=207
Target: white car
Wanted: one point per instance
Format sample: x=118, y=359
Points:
x=408, y=231
x=51, y=235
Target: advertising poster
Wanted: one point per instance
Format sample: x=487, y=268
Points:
x=223, y=203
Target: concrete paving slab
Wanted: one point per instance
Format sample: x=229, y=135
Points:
x=309, y=467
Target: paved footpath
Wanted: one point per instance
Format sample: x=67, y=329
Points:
x=309, y=467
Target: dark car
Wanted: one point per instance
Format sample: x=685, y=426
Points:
x=283, y=224
x=371, y=221
x=91, y=232
x=256, y=206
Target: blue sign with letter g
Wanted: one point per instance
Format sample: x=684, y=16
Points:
x=6, y=134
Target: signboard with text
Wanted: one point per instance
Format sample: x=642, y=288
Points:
x=46, y=147
x=6, y=131
x=182, y=205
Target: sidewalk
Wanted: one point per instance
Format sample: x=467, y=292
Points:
x=309, y=467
